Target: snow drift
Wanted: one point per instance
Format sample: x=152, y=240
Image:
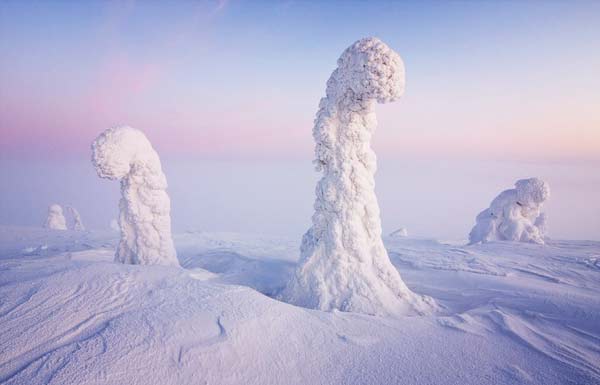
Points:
x=56, y=219
x=126, y=154
x=514, y=215
x=344, y=264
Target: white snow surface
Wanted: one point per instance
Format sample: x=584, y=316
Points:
x=56, y=219
x=344, y=264
x=514, y=215
x=510, y=313
x=126, y=154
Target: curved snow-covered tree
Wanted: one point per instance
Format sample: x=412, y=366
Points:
x=514, y=215
x=125, y=153
x=344, y=264
x=77, y=223
x=56, y=219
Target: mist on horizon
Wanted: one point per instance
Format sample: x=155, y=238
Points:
x=433, y=199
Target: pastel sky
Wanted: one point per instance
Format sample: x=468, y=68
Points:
x=242, y=79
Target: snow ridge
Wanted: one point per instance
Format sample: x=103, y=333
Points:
x=344, y=264
x=125, y=153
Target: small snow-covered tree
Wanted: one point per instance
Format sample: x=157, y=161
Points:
x=114, y=225
x=77, y=223
x=400, y=233
x=514, y=215
x=56, y=219
x=344, y=264
x=144, y=219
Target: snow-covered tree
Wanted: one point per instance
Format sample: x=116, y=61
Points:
x=344, y=264
x=514, y=215
x=56, y=219
x=114, y=225
x=542, y=225
x=77, y=223
x=400, y=233
x=125, y=153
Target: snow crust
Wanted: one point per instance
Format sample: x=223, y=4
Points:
x=344, y=264
x=56, y=219
x=514, y=215
x=126, y=154
x=77, y=223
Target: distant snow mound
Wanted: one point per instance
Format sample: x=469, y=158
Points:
x=400, y=233
x=125, y=153
x=77, y=223
x=56, y=219
x=514, y=215
x=344, y=264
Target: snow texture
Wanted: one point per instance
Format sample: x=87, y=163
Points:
x=56, y=219
x=126, y=154
x=514, y=215
x=513, y=313
x=344, y=264
x=401, y=232
x=77, y=223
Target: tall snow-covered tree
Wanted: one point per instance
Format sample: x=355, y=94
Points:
x=344, y=264
x=125, y=154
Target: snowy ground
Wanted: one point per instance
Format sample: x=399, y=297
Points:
x=513, y=314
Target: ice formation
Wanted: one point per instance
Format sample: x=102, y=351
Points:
x=125, y=153
x=56, y=219
x=400, y=233
x=344, y=264
x=77, y=224
x=514, y=215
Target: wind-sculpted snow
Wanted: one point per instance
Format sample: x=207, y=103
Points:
x=77, y=223
x=126, y=154
x=344, y=264
x=56, y=219
x=514, y=215
x=511, y=313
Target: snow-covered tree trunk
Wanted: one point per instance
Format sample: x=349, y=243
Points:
x=125, y=153
x=344, y=264
x=56, y=219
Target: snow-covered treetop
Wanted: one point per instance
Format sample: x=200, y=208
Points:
x=371, y=69
x=116, y=150
x=55, y=209
x=532, y=191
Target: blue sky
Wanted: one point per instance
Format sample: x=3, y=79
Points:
x=495, y=91
x=243, y=78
